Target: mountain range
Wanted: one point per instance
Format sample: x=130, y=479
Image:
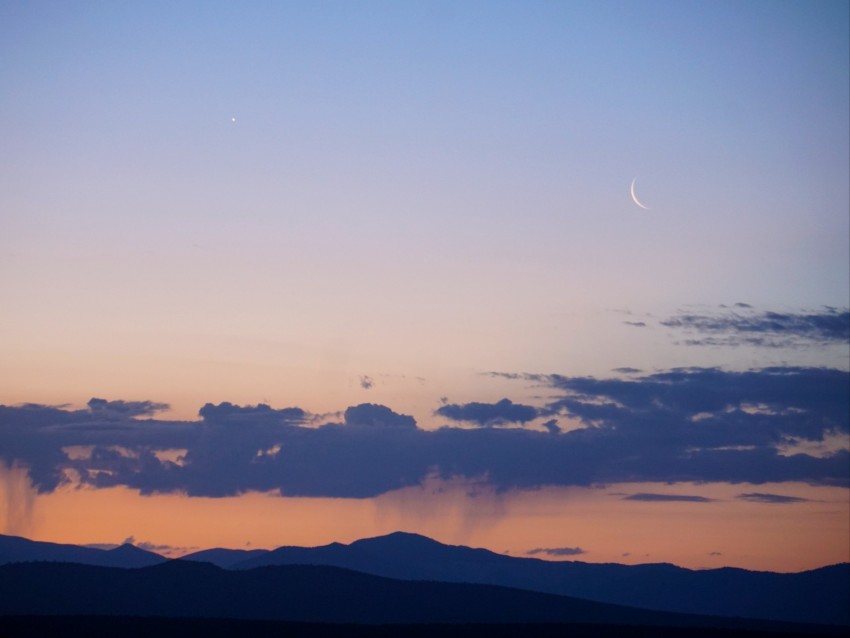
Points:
x=815, y=596
x=317, y=594
x=819, y=595
x=14, y=549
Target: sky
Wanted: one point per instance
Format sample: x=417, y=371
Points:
x=300, y=272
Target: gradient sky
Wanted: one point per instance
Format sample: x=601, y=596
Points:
x=425, y=206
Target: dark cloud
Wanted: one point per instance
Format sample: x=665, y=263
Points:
x=126, y=408
x=759, y=497
x=366, y=382
x=557, y=551
x=636, y=324
x=666, y=498
x=682, y=425
x=627, y=370
x=36, y=435
x=552, y=426
x=228, y=413
x=746, y=326
x=377, y=416
x=713, y=408
x=489, y=414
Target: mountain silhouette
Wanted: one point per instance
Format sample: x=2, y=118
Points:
x=305, y=593
x=225, y=558
x=815, y=596
x=15, y=549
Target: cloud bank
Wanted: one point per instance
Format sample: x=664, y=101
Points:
x=680, y=425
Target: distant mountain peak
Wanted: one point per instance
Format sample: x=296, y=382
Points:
x=130, y=549
x=125, y=547
x=399, y=538
x=16, y=549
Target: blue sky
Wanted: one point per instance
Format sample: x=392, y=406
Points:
x=328, y=204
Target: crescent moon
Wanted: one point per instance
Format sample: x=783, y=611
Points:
x=634, y=197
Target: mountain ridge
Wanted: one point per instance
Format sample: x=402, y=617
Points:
x=817, y=595
x=809, y=596
x=19, y=549
x=304, y=593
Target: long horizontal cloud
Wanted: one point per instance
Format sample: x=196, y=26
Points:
x=666, y=498
x=125, y=408
x=557, y=551
x=742, y=325
x=228, y=413
x=695, y=424
x=775, y=499
x=489, y=414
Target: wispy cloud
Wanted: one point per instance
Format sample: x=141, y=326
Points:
x=743, y=325
x=778, y=499
x=666, y=498
x=557, y=551
x=106, y=408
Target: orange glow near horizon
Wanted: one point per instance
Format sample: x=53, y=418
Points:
x=725, y=531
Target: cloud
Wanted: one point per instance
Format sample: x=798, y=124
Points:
x=377, y=416
x=759, y=497
x=680, y=425
x=228, y=413
x=125, y=408
x=714, y=408
x=552, y=426
x=746, y=326
x=666, y=498
x=366, y=382
x=489, y=414
x=636, y=324
x=37, y=436
x=557, y=551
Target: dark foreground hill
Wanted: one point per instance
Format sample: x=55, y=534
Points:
x=144, y=627
x=305, y=594
x=816, y=596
